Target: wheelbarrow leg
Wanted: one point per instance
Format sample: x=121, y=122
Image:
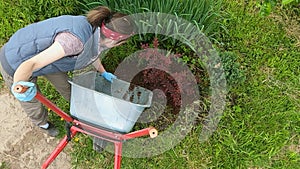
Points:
x=118, y=155
x=55, y=153
x=63, y=143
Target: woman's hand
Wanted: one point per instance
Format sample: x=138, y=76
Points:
x=24, y=91
x=108, y=76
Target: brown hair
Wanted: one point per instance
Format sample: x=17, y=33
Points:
x=115, y=21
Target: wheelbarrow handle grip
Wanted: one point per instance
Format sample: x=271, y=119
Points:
x=153, y=133
x=20, y=89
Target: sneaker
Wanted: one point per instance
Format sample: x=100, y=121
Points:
x=99, y=144
x=51, y=130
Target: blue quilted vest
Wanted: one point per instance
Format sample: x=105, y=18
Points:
x=36, y=37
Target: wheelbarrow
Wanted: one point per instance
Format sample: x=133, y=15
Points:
x=103, y=110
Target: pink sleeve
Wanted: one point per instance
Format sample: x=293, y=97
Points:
x=70, y=43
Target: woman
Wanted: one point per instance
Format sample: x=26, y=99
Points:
x=53, y=47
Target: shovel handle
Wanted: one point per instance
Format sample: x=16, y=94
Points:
x=20, y=89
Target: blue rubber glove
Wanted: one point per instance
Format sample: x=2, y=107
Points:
x=28, y=95
x=108, y=76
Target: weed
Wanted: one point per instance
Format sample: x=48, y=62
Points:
x=4, y=165
x=1, y=82
x=234, y=73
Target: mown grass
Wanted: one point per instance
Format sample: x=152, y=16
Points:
x=267, y=120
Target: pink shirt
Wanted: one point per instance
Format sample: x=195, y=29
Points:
x=70, y=43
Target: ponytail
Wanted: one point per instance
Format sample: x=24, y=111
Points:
x=97, y=15
x=115, y=21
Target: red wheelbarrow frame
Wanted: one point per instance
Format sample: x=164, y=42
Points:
x=77, y=126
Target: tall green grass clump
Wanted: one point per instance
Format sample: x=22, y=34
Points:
x=204, y=14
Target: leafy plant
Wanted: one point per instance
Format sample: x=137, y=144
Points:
x=153, y=78
x=161, y=70
x=233, y=72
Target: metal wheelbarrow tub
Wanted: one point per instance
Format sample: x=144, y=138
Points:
x=115, y=106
